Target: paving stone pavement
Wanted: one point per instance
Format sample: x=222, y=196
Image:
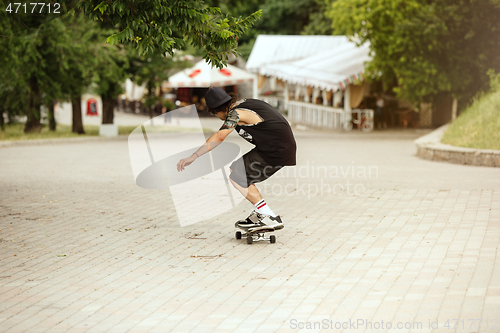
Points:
x=374, y=236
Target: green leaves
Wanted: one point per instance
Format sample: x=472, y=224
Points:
x=425, y=47
x=166, y=25
x=101, y=7
x=226, y=34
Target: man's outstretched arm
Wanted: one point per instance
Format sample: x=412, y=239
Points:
x=213, y=141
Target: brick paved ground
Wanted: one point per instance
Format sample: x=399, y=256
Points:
x=83, y=249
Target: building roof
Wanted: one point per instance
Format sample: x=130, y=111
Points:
x=204, y=75
x=326, y=62
x=278, y=48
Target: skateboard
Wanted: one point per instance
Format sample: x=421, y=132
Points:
x=254, y=236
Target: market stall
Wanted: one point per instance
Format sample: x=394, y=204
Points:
x=192, y=83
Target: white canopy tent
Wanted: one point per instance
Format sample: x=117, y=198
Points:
x=277, y=49
x=203, y=75
x=332, y=69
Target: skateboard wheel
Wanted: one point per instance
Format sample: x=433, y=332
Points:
x=249, y=240
x=238, y=235
x=272, y=239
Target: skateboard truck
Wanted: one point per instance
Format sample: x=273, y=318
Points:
x=255, y=236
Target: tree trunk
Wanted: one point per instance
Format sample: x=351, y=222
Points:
x=52, y=119
x=76, y=105
x=151, y=94
x=33, y=124
x=108, y=106
x=454, y=109
x=2, y=127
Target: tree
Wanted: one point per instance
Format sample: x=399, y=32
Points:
x=48, y=61
x=88, y=59
x=81, y=49
x=11, y=88
x=319, y=23
x=173, y=24
x=279, y=17
x=55, y=57
x=153, y=69
x=38, y=51
x=109, y=75
x=32, y=53
x=52, y=42
x=425, y=47
x=240, y=8
x=470, y=45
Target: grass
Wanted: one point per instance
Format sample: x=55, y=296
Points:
x=478, y=126
x=15, y=132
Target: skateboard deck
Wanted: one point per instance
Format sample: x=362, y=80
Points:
x=254, y=236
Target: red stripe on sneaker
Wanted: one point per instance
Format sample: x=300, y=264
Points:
x=261, y=206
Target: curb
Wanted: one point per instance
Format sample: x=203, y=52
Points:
x=38, y=142
x=429, y=147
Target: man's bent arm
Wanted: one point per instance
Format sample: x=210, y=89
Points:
x=213, y=141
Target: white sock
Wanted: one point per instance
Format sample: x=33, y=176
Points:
x=263, y=208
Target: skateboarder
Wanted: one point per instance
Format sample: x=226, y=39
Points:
x=262, y=125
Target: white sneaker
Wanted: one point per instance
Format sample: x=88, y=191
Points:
x=253, y=220
x=269, y=222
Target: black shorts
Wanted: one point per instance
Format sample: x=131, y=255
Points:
x=251, y=168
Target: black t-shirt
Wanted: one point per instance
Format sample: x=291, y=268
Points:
x=272, y=137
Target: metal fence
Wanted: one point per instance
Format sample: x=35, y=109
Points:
x=329, y=117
